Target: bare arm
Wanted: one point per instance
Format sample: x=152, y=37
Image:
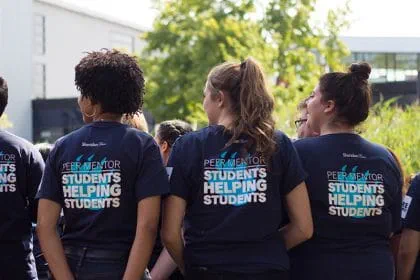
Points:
x=164, y=266
x=173, y=216
x=147, y=222
x=48, y=214
x=300, y=227
x=407, y=253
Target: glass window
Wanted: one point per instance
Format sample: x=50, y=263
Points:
x=39, y=81
x=39, y=34
x=406, y=69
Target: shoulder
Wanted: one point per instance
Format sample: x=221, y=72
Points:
x=306, y=143
x=17, y=143
x=380, y=151
x=414, y=189
x=375, y=147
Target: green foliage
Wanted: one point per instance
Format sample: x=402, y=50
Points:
x=396, y=128
x=303, y=51
x=188, y=39
x=5, y=122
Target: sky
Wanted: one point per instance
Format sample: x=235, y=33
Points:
x=387, y=18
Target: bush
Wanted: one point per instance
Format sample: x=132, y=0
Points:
x=397, y=128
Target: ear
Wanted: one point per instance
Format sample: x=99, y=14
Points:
x=329, y=106
x=164, y=146
x=220, y=98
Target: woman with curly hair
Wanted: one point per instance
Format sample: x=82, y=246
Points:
x=229, y=182
x=107, y=177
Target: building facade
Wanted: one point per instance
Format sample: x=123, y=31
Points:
x=41, y=41
x=395, y=65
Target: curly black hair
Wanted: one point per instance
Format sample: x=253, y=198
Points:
x=169, y=131
x=112, y=79
x=4, y=96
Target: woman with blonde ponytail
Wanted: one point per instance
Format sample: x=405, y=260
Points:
x=228, y=184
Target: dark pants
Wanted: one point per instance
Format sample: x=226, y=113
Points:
x=91, y=264
x=17, y=266
x=201, y=273
x=97, y=264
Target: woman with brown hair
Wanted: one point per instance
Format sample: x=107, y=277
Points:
x=354, y=186
x=230, y=180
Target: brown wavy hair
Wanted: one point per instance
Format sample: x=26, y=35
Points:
x=251, y=103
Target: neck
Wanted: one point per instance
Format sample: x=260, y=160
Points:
x=226, y=120
x=108, y=117
x=335, y=129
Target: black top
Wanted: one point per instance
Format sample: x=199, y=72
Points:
x=355, y=193
x=98, y=174
x=21, y=167
x=234, y=200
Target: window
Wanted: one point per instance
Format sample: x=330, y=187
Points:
x=406, y=69
x=39, y=35
x=389, y=67
x=39, y=81
x=122, y=41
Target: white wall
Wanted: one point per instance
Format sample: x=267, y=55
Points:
x=68, y=35
x=383, y=44
x=16, y=62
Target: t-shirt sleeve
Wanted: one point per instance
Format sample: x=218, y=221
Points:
x=410, y=213
x=35, y=170
x=396, y=210
x=176, y=172
x=293, y=173
x=152, y=178
x=50, y=187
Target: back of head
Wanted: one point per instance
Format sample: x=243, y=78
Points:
x=137, y=121
x=112, y=79
x=350, y=92
x=169, y=131
x=251, y=104
x=4, y=95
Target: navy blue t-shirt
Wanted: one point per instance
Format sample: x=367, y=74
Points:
x=234, y=200
x=411, y=215
x=355, y=193
x=98, y=174
x=21, y=167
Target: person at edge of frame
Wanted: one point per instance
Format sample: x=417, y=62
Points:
x=354, y=186
x=21, y=167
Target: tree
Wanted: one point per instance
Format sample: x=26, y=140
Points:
x=303, y=51
x=189, y=37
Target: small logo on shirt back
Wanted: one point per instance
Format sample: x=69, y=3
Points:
x=405, y=205
x=351, y=155
x=93, y=144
